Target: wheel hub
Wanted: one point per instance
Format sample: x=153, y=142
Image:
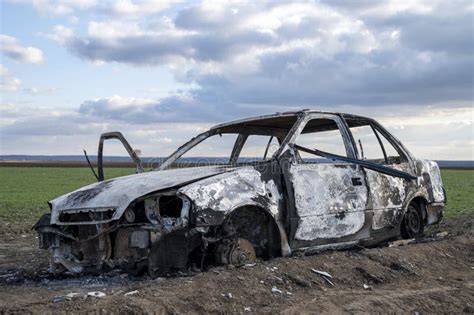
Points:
x=242, y=253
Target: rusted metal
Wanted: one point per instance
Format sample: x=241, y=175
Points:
x=167, y=219
x=238, y=253
x=116, y=135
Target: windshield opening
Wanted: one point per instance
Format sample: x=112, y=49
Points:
x=214, y=150
x=247, y=142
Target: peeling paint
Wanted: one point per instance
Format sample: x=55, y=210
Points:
x=327, y=202
x=432, y=168
x=228, y=191
x=386, y=191
x=118, y=193
x=385, y=218
x=329, y=226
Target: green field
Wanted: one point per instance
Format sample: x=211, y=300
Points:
x=25, y=190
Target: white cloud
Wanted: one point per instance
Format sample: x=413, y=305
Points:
x=116, y=8
x=60, y=34
x=12, y=48
x=7, y=81
x=34, y=91
x=295, y=53
x=137, y=8
x=394, y=7
x=61, y=7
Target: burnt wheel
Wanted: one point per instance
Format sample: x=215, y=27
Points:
x=412, y=225
x=237, y=252
x=243, y=253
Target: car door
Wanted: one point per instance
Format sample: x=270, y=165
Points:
x=329, y=197
x=387, y=194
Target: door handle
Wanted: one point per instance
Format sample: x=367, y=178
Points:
x=356, y=181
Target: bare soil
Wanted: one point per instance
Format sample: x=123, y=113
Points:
x=434, y=275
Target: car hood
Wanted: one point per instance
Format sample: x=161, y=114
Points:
x=118, y=193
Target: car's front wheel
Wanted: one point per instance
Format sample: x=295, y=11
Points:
x=412, y=225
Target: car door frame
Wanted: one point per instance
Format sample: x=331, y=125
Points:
x=288, y=156
x=397, y=144
x=385, y=221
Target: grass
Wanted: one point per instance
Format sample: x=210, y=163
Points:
x=459, y=185
x=25, y=190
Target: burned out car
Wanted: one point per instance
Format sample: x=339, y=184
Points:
x=290, y=182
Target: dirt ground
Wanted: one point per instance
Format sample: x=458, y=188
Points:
x=435, y=275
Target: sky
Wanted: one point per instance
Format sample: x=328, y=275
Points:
x=163, y=71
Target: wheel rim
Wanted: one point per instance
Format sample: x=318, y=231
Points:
x=412, y=222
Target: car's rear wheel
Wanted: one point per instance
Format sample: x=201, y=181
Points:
x=412, y=225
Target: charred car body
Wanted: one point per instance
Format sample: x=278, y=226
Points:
x=323, y=180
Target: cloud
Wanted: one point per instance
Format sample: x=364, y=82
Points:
x=176, y=108
x=61, y=7
x=42, y=120
x=7, y=81
x=401, y=61
x=116, y=8
x=136, y=8
x=60, y=34
x=12, y=48
x=297, y=53
x=52, y=130
x=35, y=91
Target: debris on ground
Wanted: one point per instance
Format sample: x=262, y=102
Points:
x=131, y=293
x=96, y=294
x=59, y=298
x=322, y=273
x=434, y=237
x=276, y=290
x=67, y=297
x=401, y=267
x=401, y=242
x=442, y=234
x=72, y=295
x=326, y=276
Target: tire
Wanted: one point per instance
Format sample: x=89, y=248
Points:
x=412, y=223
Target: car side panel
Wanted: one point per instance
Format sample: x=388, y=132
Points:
x=328, y=204
x=388, y=196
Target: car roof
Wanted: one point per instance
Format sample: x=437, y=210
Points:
x=278, y=119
